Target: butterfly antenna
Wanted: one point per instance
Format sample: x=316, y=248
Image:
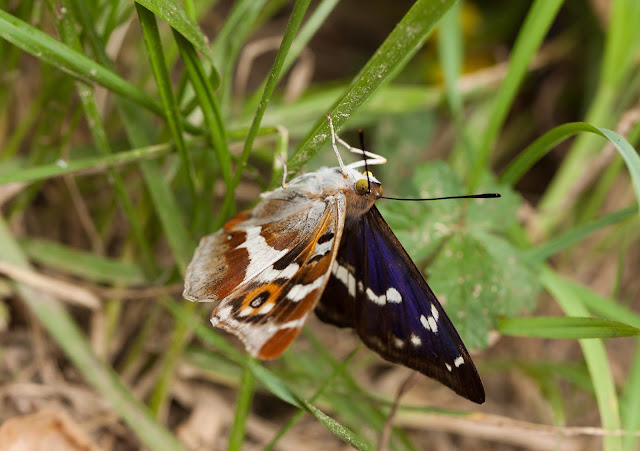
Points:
x=364, y=157
x=472, y=196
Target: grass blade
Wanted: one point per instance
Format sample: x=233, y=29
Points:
x=565, y=327
x=402, y=43
x=243, y=407
x=54, y=317
x=537, y=23
x=176, y=16
x=595, y=356
x=163, y=81
x=88, y=165
x=293, y=25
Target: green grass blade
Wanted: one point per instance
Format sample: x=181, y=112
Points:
x=293, y=25
x=603, y=306
x=575, y=235
x=82, y=264
x=176, y=16
x=59, y=55
x=307, y=31
x=629, y=155
x=340, y=431
x=68, y=335
x=630, y=403
x=214, y=121
x=243, y=408
x=595, y=356
x=84, y=165
x=67, y=30
x=338, y=370
x=538, y=148
x=402, y=43
x=235, y=33
x=622, y=40
x=163, y=81
x=532, y=32
x=565, y=327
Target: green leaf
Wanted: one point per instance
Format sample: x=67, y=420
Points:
x=565, y=327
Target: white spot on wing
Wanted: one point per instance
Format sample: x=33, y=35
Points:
x=415, y=340
x=323, y=248
x=379, y=300
x=266, y=308
x=433, y=325
x=398, y=342
x=393, y=295
x=424, y=321
x=299, y=292
x=260, y=253
x=345, y=276
x=352, y=285
x=297, y=323
x=222, y=315
x=459, y=361
x=270, y=274
x=434, y=312
x=448, y=366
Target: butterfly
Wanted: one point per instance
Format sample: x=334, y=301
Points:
x=319, y=243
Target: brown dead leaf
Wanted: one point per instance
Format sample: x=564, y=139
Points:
x=44, y=430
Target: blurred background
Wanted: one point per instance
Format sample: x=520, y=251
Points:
x=124, y=130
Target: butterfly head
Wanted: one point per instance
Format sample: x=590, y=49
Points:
x=362, y=192
x=368, y=186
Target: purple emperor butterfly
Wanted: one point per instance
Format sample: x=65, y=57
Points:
x=320, y=243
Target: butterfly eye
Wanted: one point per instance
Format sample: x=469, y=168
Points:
x=362, y=186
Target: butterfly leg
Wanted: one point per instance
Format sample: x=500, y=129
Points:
x=373, y=158
x=284, y=170
x=334, y=137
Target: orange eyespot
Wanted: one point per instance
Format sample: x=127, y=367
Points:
x=362, y=186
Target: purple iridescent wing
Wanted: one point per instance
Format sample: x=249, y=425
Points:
x=376, y=289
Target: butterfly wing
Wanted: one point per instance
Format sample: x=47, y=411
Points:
x=376, y=288
x=268, y=274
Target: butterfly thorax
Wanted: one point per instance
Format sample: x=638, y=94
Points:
x=318, y=186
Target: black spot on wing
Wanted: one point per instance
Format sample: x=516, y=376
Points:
x=326, y=238
x=259, y=299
